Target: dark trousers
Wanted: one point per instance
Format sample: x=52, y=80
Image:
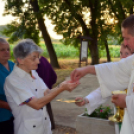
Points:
x=6, y=127
x=49, y=109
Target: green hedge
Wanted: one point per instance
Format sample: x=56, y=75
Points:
x=63, y=51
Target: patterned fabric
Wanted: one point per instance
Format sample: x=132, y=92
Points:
x=28, y=100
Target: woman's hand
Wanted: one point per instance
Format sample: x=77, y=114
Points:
x=69, y=85
x=81, y=101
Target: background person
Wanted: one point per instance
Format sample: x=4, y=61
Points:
x=26, y=92
x=6, y=66
x=48, y=75
x=124, y=51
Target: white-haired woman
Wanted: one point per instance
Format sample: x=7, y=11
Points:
x=26, y=92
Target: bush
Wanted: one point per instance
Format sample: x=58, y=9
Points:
x=63, y=51
x=102, y=112
x=114, y=52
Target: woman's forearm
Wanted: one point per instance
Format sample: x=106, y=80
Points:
x=38, y=103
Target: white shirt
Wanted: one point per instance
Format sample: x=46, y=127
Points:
x=20, y=86
x=119, y=76
x=95, y=100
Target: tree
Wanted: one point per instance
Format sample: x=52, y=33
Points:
x=79, y=18
x=119, y=10
x=72, y=19
x=31, y=23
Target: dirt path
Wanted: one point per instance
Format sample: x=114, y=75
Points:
x=65, y=114
x=64, y=130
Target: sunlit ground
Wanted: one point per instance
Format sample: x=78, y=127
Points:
x=64, y=130
x=67, y=66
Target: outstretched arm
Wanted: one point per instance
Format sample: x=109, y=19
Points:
x=80, y=72
x=38, y=103
x=92, y=101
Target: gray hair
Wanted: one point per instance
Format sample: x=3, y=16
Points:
x=24, y=48
x=3, y=41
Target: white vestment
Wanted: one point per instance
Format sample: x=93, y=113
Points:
x=119, y=76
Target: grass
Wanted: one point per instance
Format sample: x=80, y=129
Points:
x=61, y=75
x=68, y=51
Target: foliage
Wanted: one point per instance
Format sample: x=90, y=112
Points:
x=28, y=23
x=63, y=51
x=26, y=27
x=89, y=18
x=120, y=10
x=1, y=29
x=71, y=19
x=74, y=18
x=102, y=112
x=114, y=52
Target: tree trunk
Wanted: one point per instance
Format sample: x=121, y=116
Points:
x=46, y=37
x=51, y=51
x=107, y=50
x=94, y=34
x=94, y=52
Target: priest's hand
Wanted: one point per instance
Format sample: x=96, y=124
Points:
x=81, y=101
x=119, y=100
x=80, y=72
x=77, y=74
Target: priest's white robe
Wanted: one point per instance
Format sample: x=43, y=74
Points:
x=119, y=76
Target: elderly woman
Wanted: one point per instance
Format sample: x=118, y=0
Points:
x=26, y=92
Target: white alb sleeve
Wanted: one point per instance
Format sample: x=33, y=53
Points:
x=114, y=76
x=95, y=100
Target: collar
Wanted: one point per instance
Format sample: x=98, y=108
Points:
x=21, y=73
x=3, y=68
